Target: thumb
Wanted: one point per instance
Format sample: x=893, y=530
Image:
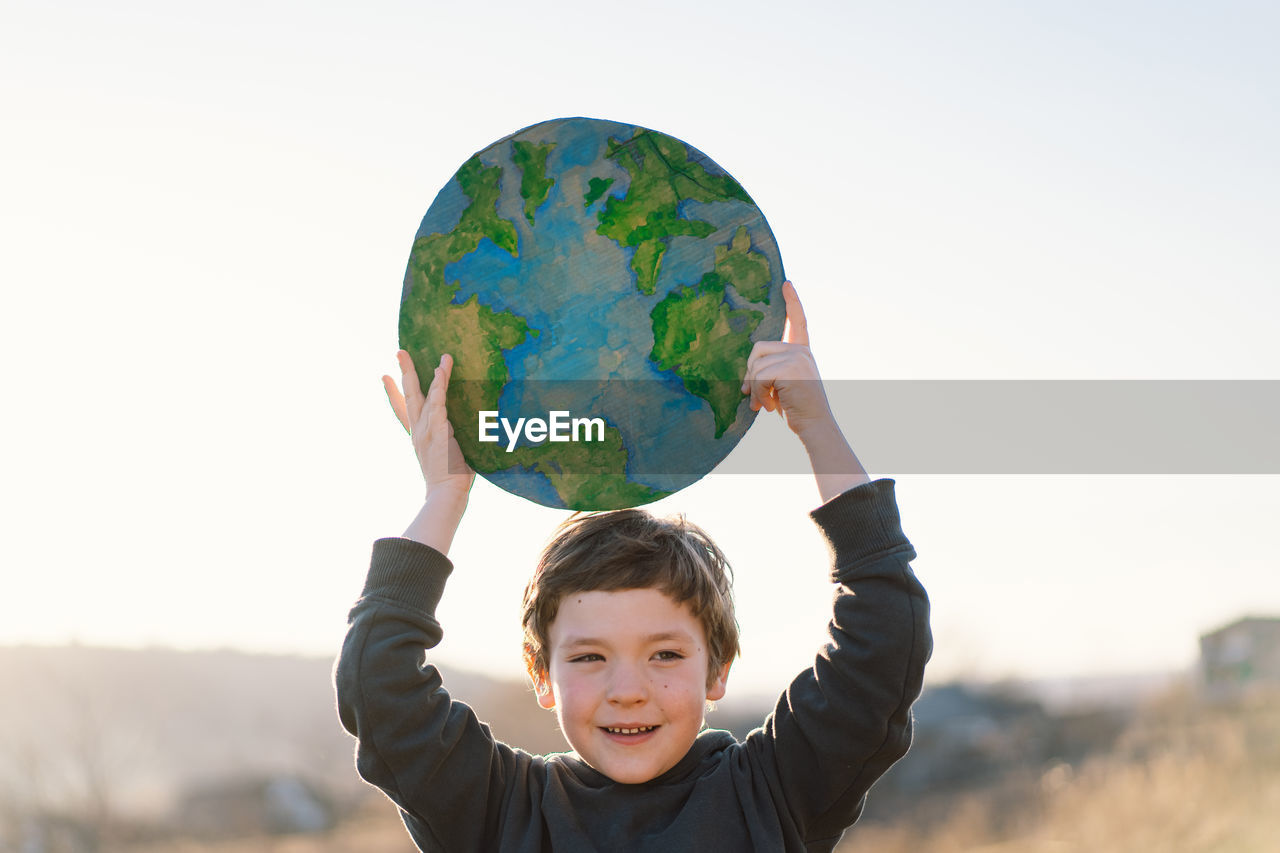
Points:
x=396, y=399
x=796, y=330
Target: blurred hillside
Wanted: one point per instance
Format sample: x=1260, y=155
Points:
x=105, y=746
x=152, y=751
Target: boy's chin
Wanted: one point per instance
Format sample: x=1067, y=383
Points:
x=636, y=769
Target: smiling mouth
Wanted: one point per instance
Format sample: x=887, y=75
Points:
x=629, y=730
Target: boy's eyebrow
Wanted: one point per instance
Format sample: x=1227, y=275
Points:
x=660, y=637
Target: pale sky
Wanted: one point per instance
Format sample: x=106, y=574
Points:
x=207, y=210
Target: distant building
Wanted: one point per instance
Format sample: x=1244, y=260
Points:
x=1242, y=658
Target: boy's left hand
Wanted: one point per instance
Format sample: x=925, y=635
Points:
x=783, y=377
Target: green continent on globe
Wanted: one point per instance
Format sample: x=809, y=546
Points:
x=596, y=187
x=474, y=334
x=746, y=270
x=531, y=160
x=586, y=475
x=647, y=216
x=699, y=337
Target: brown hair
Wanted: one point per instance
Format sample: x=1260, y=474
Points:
x=632, y=549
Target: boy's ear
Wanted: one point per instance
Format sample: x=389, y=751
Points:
x=546, y=699
x=716, y=691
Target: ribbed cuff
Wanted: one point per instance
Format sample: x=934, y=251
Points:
x=860, y=523
x=407, y=572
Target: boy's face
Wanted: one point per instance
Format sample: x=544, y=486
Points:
x=623, y=661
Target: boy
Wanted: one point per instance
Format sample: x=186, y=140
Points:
x=627, y=647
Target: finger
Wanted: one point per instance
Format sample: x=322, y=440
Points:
x=434, y=412
x=771, y=369
x=753, y=383
x=764, y=393
x=770, y=351
x=761, y=388
x=414, y=399
x=763, y=348
x=796, y=330
x=759, y=350
x=436, y=409
x=775, y=366
x=768, y=399
x=396, y=399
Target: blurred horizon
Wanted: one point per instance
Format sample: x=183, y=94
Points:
x=1059, y=692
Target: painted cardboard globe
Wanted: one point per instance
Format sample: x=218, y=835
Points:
x=599, y=286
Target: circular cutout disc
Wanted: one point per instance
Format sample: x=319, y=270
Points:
x=599, y=286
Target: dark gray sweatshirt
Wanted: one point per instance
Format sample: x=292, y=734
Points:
x=795, y=784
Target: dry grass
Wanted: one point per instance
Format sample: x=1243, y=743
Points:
x=375, y=829
x=1183, y=780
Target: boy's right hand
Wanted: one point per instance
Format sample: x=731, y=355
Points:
x=782, y=376
x=426, y=419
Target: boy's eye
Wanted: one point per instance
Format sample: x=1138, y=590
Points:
x=669, y=655
x=587, y=658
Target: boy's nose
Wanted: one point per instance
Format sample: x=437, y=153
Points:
x=628, y=686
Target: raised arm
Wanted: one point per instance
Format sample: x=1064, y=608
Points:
x=429, y=754
x=843, y=722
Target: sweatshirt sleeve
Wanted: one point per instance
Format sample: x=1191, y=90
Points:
x=429, y=754
x=842, y=723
